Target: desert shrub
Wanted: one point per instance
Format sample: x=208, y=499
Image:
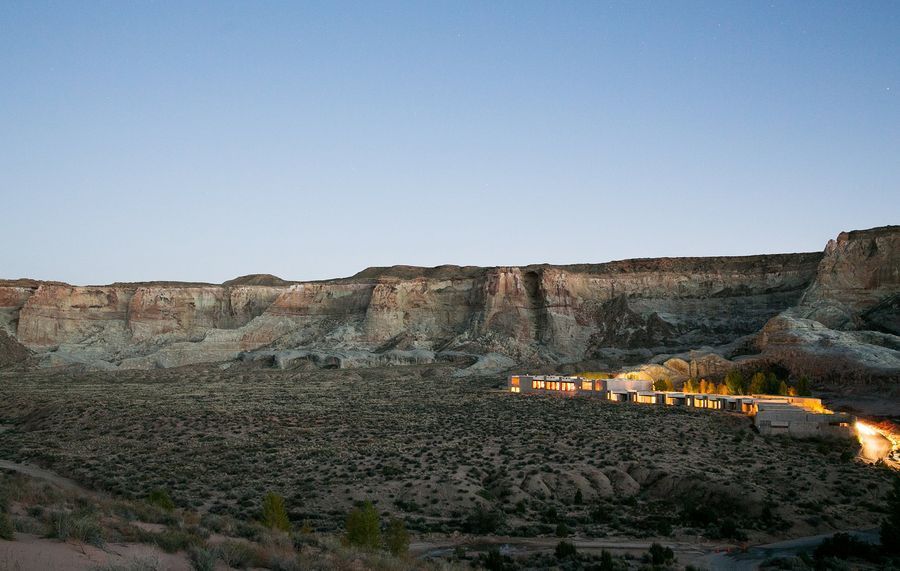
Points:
x=565, y=550
x=659, y=555
x=363, y=527
x=161, y=499
x=239, y=555
x=562, y=530
x=202, y=559
x=396, y=538
x=274, y=513
x=214, y=523
x=174, y=540
x=82, y=527
x=606, y=561
x=493, y=560
x=137, y=564
x=7, y=531
x=482, y=521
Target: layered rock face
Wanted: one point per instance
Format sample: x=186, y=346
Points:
x=536, y=314
x=847, y=322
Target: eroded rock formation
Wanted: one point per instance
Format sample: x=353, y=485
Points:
x=780, y=306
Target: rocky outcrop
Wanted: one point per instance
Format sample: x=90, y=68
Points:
x=846, y=325
x=857, y=283
x=613, y=312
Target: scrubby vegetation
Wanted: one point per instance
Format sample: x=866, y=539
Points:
x=43, y=510
x=434, y=453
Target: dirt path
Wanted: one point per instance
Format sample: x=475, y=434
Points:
x=46, y=475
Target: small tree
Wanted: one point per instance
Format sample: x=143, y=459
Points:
x=758, y=383
x=772, y=384
x=396, y=538
x=274, y=514
x=890, y=527
x=722, y=389
x=704, y=386
x=734, y=380
x=783, y=389
x=579, y=497
x=662, y=385
x=363, y=527
x=691, y=386
x=803, y=387
x=606, y=561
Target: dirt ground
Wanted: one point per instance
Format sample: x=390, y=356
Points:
x=447, y=455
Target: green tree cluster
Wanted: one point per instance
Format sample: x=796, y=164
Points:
x=363, y=530
x=734, y=381
x=663, y=385
x=396, y=538
x=364, y=527
x=274, y=514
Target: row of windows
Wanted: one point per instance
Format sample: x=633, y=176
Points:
x=553, y=385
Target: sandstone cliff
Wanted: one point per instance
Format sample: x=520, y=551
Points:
x=617, y=312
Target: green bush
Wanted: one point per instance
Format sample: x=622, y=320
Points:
x=396, y=538
x=496, y=561
x=274, y=513
x=363, y=527
x=483, y=521
x=659, y=555
x=565, y=550
x=161, y=499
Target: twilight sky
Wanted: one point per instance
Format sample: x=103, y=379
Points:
x=202, y=141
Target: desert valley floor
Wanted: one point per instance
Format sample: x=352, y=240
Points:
x=446, y=454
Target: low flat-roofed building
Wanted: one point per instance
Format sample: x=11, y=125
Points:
x=543, y=383
x=795, y=421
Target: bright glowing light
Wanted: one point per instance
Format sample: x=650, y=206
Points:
x=864, y=429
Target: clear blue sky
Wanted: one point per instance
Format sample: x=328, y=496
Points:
x=201, y=141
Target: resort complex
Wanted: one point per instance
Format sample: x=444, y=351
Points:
x=789, y=415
